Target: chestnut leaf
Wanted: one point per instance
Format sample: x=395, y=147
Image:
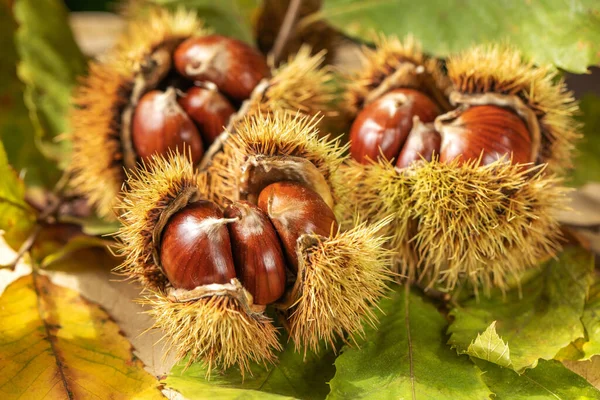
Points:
x=293, y=376
x=50, y=63
x=16, y=216
x=16, y=129
x=406, y=357
x=549, y=380
x=537, y=321
x=564, y=33
x=56, y=344
x=489, y=346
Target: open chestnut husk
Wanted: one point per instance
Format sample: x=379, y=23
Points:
x=280, y=163
x=118, y=120
x=473, y=192
x=177, y=244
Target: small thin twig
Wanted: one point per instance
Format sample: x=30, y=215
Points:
x=289, y=21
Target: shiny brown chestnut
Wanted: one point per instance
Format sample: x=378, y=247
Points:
x=487, y=131
x=296, y=210
x=209, y=109
x=383, y=125
x=422, y=143
x=159, y=125
x=232, y=65
x=195, y=249
x=257, y=252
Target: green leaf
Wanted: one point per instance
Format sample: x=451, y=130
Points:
x=549, y=380
x=16, y=216
x=49, y=67
x=292, y=377
x=566, y=34
x=406, y=357
x=541, y=322
x=587, y=162
x=16, y=130
x=489, y=346
x=591, y=322
x=227, y=17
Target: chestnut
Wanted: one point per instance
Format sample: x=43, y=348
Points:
x=209, y=109
x=488, y=131
x=296, y=210
x=257, y=253
x=159, y=125
x=195, y=249
x=422, y=143
x=383, y=125
x=232, y=65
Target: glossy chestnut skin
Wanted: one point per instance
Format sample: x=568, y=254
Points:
x=296, y=210
x=257, y=252
x=491, y=130
x=209, y=109
x=195, y=248
x=383, y=125
x=232, y=65
x=423, y=142
x=159, y=125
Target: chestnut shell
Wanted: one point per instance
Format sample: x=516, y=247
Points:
x=195, y=248
x=383, y=125
x=488, y=131
x=257, y=252
x=232, y=65
x=296, y=210
x=209, y=109
x=160, y=125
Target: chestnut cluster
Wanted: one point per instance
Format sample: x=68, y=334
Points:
x=191, y=107
x=406, y=125
x=169, y=84
x=466, y=158
x=257, y=244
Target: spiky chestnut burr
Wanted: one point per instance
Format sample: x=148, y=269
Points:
x=177, y=245
x=482, y=209
x=300, y=85
x=142, y=61
x=279, y=162
x=105, y=101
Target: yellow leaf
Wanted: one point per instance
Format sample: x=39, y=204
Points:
x=55, y=344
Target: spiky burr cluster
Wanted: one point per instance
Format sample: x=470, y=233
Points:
x=217, y=323
x=340, y=275
x=169, y=84
x=212, y=268
x=467, y=166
